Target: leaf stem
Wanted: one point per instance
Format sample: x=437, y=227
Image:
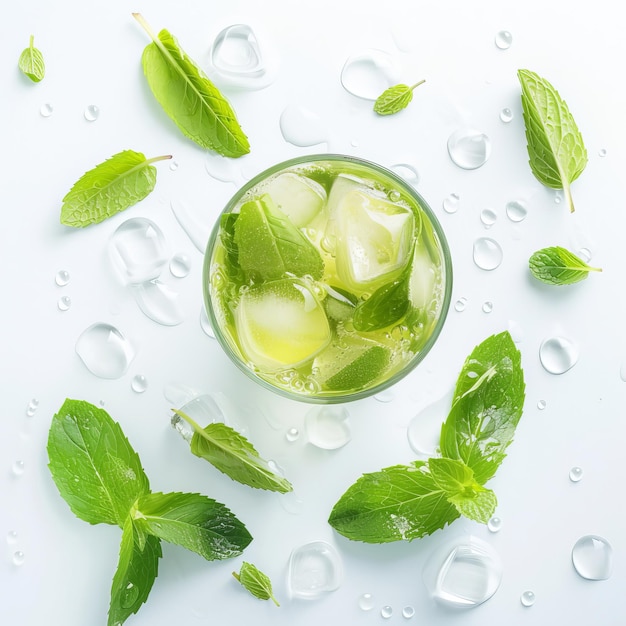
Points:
x=31, y=43
x=159, y=158
x=145, y=25
x=568, y=196
x=190, y=421
x=417, y=84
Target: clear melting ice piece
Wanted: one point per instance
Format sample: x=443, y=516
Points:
x=367, y=74
x=105, y=352
x=592, y=557
x=314, y=569
x=558, y=354
x=464, y=573
x=298, y=197
x=327, y=427
x=302, y=127
x=469, y=148
x=158, y=302
x=424, y=429
x=138, y=251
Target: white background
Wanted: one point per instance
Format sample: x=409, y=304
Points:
x=92, y=51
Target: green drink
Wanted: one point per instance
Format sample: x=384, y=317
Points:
x=327, y=278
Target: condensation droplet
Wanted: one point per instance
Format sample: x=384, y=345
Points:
x=180, y=265
x=314, y=569
x=506, y=115
x=451, y=203
x=622, y=371
x=487, y=307
x=223, y=169
x=91, y=113
x=12, y=537
x=602, y=152
x=386, y=612
x=460, y=304
x=488, y=218
x=105, y=351
x=407, y=172
x=558, y=197
x=207, y=329
x=424, y=429
x=292, y=435
x=302, y=127
x=541, y=405
x=517, y=332
x=18, y=558
x=503, y=39
x=129, y=595
x=64, y=303
x=494, y=525
x=585, y=254
x=139, y=383
x=367, y=74
x=592, y=557
x=327, y=427
x=558, y=355
x=32, y=407
x=516, y=210
x=576, y=474
x=408, y=612
x=487, y=253
x=469, y=149
x=173, y=165
x=384, y=396
x=158, y=302
x=62, y=277
x=366, y=602
x=195, y=228
x=527, y=598
x=46, y=110
x=18, y=468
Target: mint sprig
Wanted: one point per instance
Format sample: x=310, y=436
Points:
x=31, y=62
x=558, y=266
x=405, y=502
x=256, y=582
x=395, y=98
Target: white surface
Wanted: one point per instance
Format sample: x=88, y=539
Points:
x=92, y=52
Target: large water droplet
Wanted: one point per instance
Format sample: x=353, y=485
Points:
x=18, y=468
x=137, y=250
x=46, y=110
x=386, y=612
x=205, y=324
x=592, y=557
x=92, y=113
x=408, y=612
x=139, y=383
x=12, y=537
x=494, y=525
x=488, y=218
x=18, y=558
x=558, y=354
x=196, y=230
x=292, y=434
x=314, y=569
x=506, y=115
x=487, y=307
x=367, y=74
x=602, y=152
x=460, y=304
x=385, y=396
x=223, y=169
x=366, y=602
x=105, y=352
x=469, y=148
x=64, y=303
x=158, y=302
x=327, y=427
x=516, y=210
x=302, y=127
x=62, y=277
x=424, y=429
x=451, y=203
x=527, y=598
x=503, y=39
x=464, y=573
x=180, y=265
x=487, y=253
x=407, y=172
x=32, y=407
x=541, y=404
x=129, y=595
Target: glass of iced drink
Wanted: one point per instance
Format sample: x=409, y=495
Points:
x=327, y=278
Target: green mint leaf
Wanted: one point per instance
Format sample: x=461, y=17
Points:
x=384, y=307
x=479, y=506
x=487, y=405
x=192, y=521
x=256, y=582
x=112, y=186
x=366, y=367
x=558, y=266
x=270, y=245
x=190, y=99
x=395, y=99
x=396, y=503
x=31, y=62
x=232, y=454
x=93, y=465
x=136, y=572
x=555, y=146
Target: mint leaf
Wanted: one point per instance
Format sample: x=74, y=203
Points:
x=558, y=266
x=384, y=307
x=192, y=521
x=136, y=572
x=190, y=99
x=232, y=454
x=395, y=99
x=93, y=465
x=396, y=503
x=487, y=405
x=31, y=62
x=555, y=146
x=256, y=582
x=480, y=506
x=365, y=368
x=112, y=186
x=270, y=245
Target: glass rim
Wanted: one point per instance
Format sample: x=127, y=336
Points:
x=351, y=396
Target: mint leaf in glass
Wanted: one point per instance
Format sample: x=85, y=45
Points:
x=384, y=307
x=190, y=99
x=256, y=582
x=31, y=62
x=93, y=465
x=112, y=186
x=559, y=266
x=555, y=146
x=395, y=98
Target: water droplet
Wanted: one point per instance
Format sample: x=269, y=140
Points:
x=139, y=383
x=527, y=598
x=558, y=197
x=592, y=557
x=223, y=169
x=558, y=354
x=541, y=405
x=488, y=218
x=46, y=110
x=173, y=165
x=18, y=468
x=585, y=254
x=314, y=569
x=196, y=229
x=494, y=525
x=384, y=396
x=424, y=429
x=366, y=602
x=575, y=474
x=92, y=113
x=386, y=612
x=129, y=596
x=408, y=612
x=158, y=302
x=292, y=435
x=205, y=324
x=451, y=203
x=64, y=303
x=463, y=573
x=302, y=127
x=487, y=307
x=184, y=429
x=18, y=558
x=32, y=407
x=460, y=304
x=368, y=73
x=291, y=502
x=180, y=265
x=407, y=172
x=487, y=253
x=602, y=152
x=62, y=277
x=137, y=250
x=506, y=115
x=12, y=537
x=327, y=427
x=105, y=352
x=503, y=39
x=516, y=210
x=622, y=371
x=469, y=148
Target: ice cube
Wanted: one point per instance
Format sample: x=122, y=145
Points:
x=374, y=239
x=281, y=324
x=298, y=197
x=422, y=280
